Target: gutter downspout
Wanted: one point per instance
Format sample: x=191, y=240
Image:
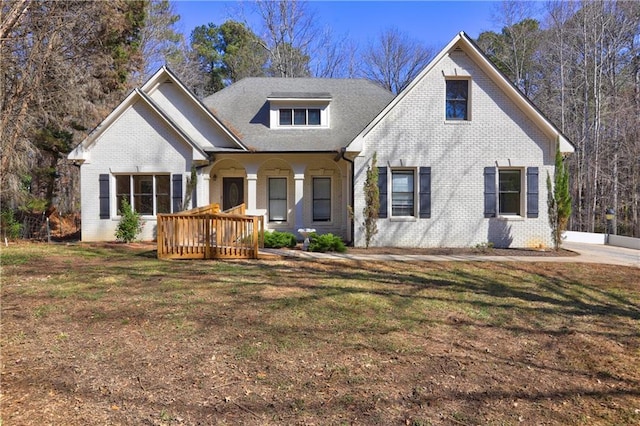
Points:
x=343, y=150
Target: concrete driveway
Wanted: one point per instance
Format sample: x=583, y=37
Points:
x=589, y=253
x=610, y=255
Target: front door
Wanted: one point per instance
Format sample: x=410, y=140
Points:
x=232, y=192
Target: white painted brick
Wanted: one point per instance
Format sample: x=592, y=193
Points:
x=138, y=140
x=415, y=132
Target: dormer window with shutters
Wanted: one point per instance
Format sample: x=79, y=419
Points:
x=299, y=110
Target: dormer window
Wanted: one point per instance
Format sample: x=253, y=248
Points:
x=299, y=116
x=299, y=110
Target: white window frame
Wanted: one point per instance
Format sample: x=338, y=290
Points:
x=469, y=103
x=133, y=194
x=521, y=194
x=275, y=106
x=313, y=199
x=286, y=193
x=293, y=117
x=406, y=171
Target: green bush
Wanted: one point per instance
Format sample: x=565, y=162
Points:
x=275, y=239
x=130, y=225
x=326, y=242
x=11, y=228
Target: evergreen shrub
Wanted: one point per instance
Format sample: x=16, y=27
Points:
x=130, y=225
x=326, y=242
x=276, y=239
x=11, y=228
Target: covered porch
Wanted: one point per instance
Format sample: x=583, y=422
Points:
x=289, y=191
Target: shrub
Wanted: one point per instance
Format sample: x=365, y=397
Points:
x=326, y=242
x=130, y=224
x=371, y=202
x=484, y=247
x=11, y=228
x=275, y=239
x=558, y=199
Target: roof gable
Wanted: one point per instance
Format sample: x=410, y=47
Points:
x=462, y=41
x=144, y=95
x=154, y=84
x=80, y=153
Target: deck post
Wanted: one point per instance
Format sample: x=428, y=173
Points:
x=218, y=245
x=256, y=236
x=207, y=237
x=160, y=237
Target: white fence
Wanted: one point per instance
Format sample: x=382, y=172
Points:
x=592, y=238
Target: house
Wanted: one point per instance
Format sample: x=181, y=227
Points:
x=463, y=156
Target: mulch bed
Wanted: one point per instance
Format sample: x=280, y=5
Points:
x=449, y=251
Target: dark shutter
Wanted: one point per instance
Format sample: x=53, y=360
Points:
x=382, y=188
x=104, y=196
x=425, y=192
x=490, y=192
x=532, y=192
x=176, y=181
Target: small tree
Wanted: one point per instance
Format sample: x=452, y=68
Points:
x=9, y=225
x=192, y=183
x=372, y=202
x=558, y=200
x=130, y=224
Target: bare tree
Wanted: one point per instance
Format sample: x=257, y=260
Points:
x=514, y=52
x=296, y=45
x=394, y=60
x=583, y=63
x=334, y=58
x=160, y=41
x=288, y=34
x=63, y=64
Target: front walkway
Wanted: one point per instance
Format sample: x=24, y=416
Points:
x=588, y=253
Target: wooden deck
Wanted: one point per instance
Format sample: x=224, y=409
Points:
x=208, y=233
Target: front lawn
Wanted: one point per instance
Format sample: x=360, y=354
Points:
x=108, y=334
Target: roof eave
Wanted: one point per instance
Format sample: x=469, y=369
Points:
x=80, y=152
x=519, y=98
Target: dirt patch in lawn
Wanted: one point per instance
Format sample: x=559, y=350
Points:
x=107, y=334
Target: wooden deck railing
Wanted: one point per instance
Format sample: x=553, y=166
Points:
x=207, y=233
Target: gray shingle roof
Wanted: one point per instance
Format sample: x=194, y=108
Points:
x=243, y=106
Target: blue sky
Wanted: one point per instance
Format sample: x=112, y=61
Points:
x=434, y=23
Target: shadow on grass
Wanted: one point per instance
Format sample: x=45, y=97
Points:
x=278, y=303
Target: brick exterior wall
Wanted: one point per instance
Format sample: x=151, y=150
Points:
x=415, y=134
x=139, y=142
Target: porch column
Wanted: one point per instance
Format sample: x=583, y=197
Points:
x=203, y=191
x=299, y=193
x=252, y=192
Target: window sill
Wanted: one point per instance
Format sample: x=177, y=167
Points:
x=457, y=122
x=511, y=218
x=316, y=127
x=403, y=219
